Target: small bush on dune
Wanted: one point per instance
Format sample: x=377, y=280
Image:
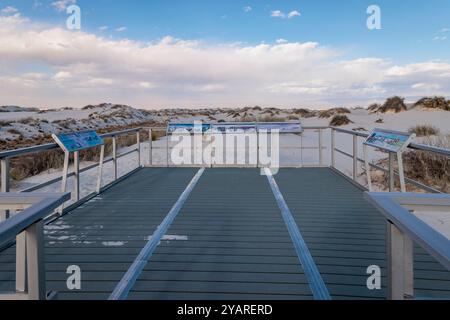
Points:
x=433, y=103
x=424, y=130
x=428, y=168
x=331, y=112
x=393, y=104
x=340, y=120
x=374, y=107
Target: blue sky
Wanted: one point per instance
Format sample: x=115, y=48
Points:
x=414, y=35
x=409, y=26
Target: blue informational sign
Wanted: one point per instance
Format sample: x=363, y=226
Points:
x=234, y=128
x=189, y=127
x=77, y=141
x=391, y=141
x=285, y=127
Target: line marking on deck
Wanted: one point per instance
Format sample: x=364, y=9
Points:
x=129, y=279
x=315, y=281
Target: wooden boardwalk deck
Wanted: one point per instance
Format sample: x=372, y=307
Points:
x=228, y=241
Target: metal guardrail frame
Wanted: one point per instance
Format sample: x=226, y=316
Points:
x=390, y=170
x=403, y=229
x=6, y=155
x=27, y=228
x=320, y=148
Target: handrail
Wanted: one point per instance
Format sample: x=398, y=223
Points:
x=27, y=228
x=392, y=173
x=40, y=207
x=51, y=146
x=415, y=146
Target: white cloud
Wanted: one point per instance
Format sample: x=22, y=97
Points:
x=426, y=86
x=293, y=14
x=83, y=68
x=277, y=14
x=9, y=10
x=280, y=41
x=103, y=28
x=443, y=30
x=282, y=15
x=440, y=38
x=121, y=29
x=247, y=8
x=61, y=5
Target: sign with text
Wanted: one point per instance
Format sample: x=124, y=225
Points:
x=392, y=141
x=234, y=128
x=286, y=127
x=189, y=127
x=77, y=141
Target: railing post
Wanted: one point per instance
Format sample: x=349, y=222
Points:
x=355, y=157
x=150, y=147
x=35, y=261
x=320, y=148
x=114, y=156
x=391, y=172
x=76, y=176
x=333, y=148
x=400, y=264
x=138, y=142
x=4, y=168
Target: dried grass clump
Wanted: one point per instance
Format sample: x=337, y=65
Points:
x=393, y=104
x=428, y=168
x=434, y=103
x=340, y=120
x=331, y=112
x=424, y=130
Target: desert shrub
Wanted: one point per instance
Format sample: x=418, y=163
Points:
x=28, y=120
x=379, y=121
x=428, y=168
x=374, y=107
x=340, y=120
x=434, y=103
x=272, y=119
x=14, y=131
x=5, y=123
x=395, y=104
x=424, y=130
x=331, y=112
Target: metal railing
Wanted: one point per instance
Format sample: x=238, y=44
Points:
x=392, y=173
x=27, y=227
x=320, y=147
x=5, y=156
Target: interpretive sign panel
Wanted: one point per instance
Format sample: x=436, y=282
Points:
x=76, y=141
x=392, y=141
x=286, y=127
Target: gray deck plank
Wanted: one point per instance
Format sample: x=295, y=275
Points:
x=235, y=199
x=237, y=244
x=328, y=207
x=143, y=199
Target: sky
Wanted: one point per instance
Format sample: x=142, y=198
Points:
x=210, y=53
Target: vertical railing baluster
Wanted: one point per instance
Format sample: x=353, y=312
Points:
x=391, y=172
x=76, y=176
x=150, y=147
x=138, y=139
x=333, y=148
x=114, y=155
x=320, y=148
x=5, y=183
x=355, y=157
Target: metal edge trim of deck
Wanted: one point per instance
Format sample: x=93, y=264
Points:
x=129, y=279
x=315, y=281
